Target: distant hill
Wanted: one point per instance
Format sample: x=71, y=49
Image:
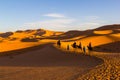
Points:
x=109, y=27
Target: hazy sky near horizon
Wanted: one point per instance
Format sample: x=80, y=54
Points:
x=59, y=15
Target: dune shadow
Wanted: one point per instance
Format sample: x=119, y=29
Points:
x=40, y=32
x=6, y=35
x=113, y=47
x=13, y=39
x=29, y=40
x=48, y=56
x=106, y=27
x=19, y=31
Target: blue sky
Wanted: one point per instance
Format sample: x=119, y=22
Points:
x=59, y=15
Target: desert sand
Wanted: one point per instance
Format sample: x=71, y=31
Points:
x=34, y=55
x=46, y=63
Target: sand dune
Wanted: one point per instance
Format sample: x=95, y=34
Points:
x=5, y=35
x=113, y=47
x=15, y=45
x=103, y=32
x=106, y=27
x=95, y=40
x=47, y=60
x=23, y=34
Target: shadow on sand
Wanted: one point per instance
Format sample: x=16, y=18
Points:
x=46, y=56
x=110, y=48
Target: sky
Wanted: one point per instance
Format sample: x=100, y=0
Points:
x=58, y=15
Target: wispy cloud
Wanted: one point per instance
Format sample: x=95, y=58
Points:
x=92, y=17
x=54, y=24
x=91, y=24
x=55, y=15
x=61, y=23
x=87, y=25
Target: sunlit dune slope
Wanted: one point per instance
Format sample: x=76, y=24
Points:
x=74, y=38
x=22, y=34
x=13, y=45
x=35, y=33
x=24, y=39
x=103, y=32
x=95, y=40
x=116, y=35
x=106, y=37
x=51, y=33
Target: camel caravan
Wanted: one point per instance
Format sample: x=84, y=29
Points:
x=78, y=46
